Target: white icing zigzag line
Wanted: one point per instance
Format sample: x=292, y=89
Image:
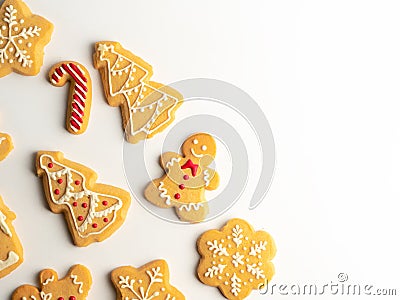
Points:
x=189, y=206
x=3, y=225
x=172, y=161
x=12, y=259
x=126, y=93
x=76, y=282
x=206, y=177
x=164, y=193
x=48, y=280
x=68, y=195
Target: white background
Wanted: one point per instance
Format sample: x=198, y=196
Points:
x=326, y=74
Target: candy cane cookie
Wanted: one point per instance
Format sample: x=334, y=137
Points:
x=80, y=93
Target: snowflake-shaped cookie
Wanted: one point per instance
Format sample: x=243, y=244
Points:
x=236, y=259
x=22, y=39
x=148, y=282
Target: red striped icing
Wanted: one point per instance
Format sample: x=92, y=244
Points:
x=79, y=95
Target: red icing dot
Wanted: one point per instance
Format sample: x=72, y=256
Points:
x=60, y=298
x=50, y=165
x=57, y=191
x=60, y=181
x=75, y=204
x=94, y=225
x=177, y=196
x=77, y=182
x=105, y=203
x=72, y=298
x=105, y=220
x=80, y=218
x=181, y=186
x=84, y=205
x=186, y=177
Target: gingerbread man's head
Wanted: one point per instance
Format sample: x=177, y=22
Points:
x=199, y=145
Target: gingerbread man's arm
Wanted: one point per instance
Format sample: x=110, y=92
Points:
x=213, y=178
x=170, y=159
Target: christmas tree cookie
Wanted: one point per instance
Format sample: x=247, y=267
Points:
x=74, y=286
x=187, y=178
x=147, y=107
x=236, y=259
x=6, y=145
x=93, y=211
x=23, y=37
x=150, y=281
x=11, y=253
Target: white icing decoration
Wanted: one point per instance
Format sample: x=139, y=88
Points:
x=76, y=282
x=254, y=270
x=257, y=249
x=204, y=147
x=237, y=235
x=69, y=194
x=140, y=293
x=164, y=193
x=237, y=259
x=236, y=286
x=10, y=17
x=195, y=154
x=2, y=139
x=44, y=296
x=141, y=87
x=190, y=206
x=217, y=248
x=172, y=161
x=48, y=280
x=206, y=177
x=214, y=270
x=195, y=141
x=12, y=259
x=3, y=225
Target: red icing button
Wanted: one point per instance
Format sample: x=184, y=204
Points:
x=94, y=225
x=84, y=205
x=77, y=182
x=105, y=203
x=80, y=218
x=50, y=165
x=60, y=181
x=60, y=298
x=105, y=220
x=186, y=177
x=177, y=196
x=182, y=186
x=72, y=298
x=57, y=192
x=75, y=204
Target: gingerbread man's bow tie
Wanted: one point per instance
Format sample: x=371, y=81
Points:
x=190, y=165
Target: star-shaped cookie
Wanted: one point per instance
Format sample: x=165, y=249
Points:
x=23, y=36
x=150, y=281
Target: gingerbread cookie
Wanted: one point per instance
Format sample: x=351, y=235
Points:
x=236, y=259
x=23, y=37
x=11, y=253
x=150, y=281
x=147, y=107
x=93, y=211
x=80, y=93
x=6, y=145
x=187, y=177
x=74, y=286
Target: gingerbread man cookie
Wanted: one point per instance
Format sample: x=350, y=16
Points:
x=80, y=93
x=150, y=281
x=236, y=259
x=147, y=107
x=74, y=286
x=187, y=177
x=11, y=253
x=6, y=145
x=93, y=211
x=23, y=37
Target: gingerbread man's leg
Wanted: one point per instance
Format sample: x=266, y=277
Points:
x=157, y=194
x=192, y=212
